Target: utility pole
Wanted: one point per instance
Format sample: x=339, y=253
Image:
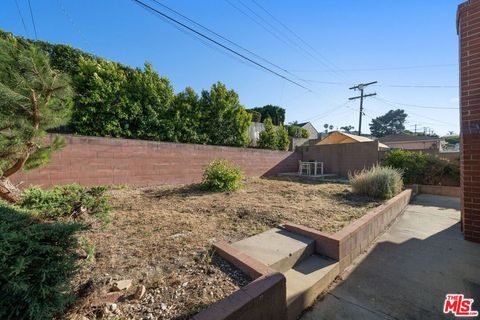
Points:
x=361, y=87
x=415, y=128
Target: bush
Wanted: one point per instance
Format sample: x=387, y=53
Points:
x=67, y=200
x=221, y=175
x=297, y=132
x=411, y=163
x=268, y=137
x=37, y=262
x=377, y=182
x=423, y=168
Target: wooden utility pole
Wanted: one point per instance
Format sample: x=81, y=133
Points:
x=361, y=87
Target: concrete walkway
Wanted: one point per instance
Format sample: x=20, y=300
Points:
x=409, y=269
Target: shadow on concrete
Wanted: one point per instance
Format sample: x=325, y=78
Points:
x=409, y=270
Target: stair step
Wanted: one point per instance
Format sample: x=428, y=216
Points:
x=307, y=280
x=277, y=248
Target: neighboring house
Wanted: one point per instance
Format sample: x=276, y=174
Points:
x=338, y=137
x=412, y=142
x=310, y=128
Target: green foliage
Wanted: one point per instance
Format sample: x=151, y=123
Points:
x=423, y=168
x=297, y=132
x=63, y=201
x=453, y=139
x=390, y=123
x=282, y=138
x=33, y=98
x=37, y=262
x=275, y=113
x=411, y=163
x=347, y=129
x=256, y=116
x=221, y=175
x=224, y=121
x=268, y=137
x=115, y=100
x=377, y=182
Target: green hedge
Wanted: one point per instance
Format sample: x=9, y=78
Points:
x=119, y=101
x=423, y=168
x=37, y=262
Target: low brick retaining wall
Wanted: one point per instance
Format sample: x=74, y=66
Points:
x=94, y=161
x=262, y=299
x=447, y=191
x=348, y=243
x=265, y=297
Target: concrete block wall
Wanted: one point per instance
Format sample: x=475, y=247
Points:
x=468, y=27
x=344, y=158
x=93, y=161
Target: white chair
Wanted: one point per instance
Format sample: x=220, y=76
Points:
x=303, y=166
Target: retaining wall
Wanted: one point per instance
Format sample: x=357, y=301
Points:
x=93, y=161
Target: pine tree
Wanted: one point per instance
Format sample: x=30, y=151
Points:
x=33, y=98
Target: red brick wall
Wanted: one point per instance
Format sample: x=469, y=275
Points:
x=91, y=161
x=468, y=23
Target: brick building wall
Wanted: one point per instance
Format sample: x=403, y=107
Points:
x=92, y=161
x=345, y=157
x=468, y=27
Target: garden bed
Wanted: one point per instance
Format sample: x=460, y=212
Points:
x=161, y=237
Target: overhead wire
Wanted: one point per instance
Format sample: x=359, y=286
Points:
x=21, y=17
x=33, y=20
x=158, y=12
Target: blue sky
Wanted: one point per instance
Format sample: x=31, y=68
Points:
x=405, y=43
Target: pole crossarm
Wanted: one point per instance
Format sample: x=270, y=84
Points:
x=361, y=87
x=365, y=95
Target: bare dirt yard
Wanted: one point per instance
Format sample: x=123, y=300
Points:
x=161, y=237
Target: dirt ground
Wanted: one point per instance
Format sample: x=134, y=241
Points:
x=161, y=237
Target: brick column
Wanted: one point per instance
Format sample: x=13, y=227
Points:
x=468, y=27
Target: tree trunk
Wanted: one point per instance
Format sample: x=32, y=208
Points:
x=8, y=191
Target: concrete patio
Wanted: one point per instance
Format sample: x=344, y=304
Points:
x=408, y=271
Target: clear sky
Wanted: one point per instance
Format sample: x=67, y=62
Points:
x=407, y=43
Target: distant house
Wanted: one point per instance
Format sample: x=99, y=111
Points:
x=412, y=142
x=338, y=137
x=311, y=130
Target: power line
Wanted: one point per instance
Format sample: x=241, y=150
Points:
x=418, y=115
x=387, y=68
x=332, y=66
x=387, y=85
x=226, y=39
x=417, y=106
x=21, y=17
x=33, y=20
x=218, y=43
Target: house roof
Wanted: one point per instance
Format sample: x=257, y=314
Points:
x=406, y=137
x=338, y=137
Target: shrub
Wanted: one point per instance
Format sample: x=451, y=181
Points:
x=411, y=163
x=377, y=182
x=37, y=262
x=268, y=137
x=423, y=168
x=283, y=142
x=297, y=132
x=64, y=201
x=221, y=175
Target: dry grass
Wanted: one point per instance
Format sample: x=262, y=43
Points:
x=161, y=237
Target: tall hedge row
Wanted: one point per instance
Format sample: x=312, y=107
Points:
x=119, y=101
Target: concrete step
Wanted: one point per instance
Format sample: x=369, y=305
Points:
x=277, y=248
x=306, y=281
